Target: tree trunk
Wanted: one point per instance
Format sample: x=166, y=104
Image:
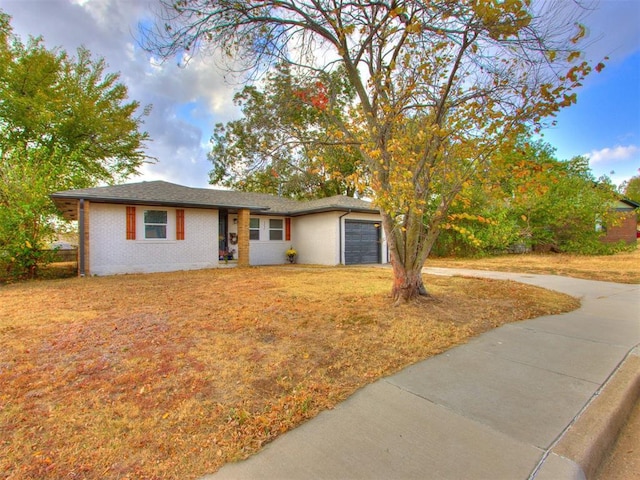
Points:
x=407, y=284
x=408, y=253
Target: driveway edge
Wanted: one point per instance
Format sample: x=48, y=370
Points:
x=589, y=438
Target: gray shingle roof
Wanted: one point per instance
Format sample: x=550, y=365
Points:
x=337, y=202
x=171, y=194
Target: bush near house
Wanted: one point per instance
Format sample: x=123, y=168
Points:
x=542, y=205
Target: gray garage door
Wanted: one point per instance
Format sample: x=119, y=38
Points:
x=362, y=242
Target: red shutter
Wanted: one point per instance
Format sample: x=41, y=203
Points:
x=131, y=223
x=287, y=229
x=179, y=224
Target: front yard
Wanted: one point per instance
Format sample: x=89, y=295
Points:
x=172, y=375
x=621, y=267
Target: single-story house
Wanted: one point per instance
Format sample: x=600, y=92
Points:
x=160, y=226
x=627, y=229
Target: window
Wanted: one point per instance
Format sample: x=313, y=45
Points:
x=276, y=229
x=155, y=224
x=254, y=229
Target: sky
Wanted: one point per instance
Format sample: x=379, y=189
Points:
x=187, y=102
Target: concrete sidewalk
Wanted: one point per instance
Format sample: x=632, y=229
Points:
x=514, y=403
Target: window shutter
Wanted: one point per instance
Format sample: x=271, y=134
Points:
x=180, y=224
x=131, y=223
x=287, y=229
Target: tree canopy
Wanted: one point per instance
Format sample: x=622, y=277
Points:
x=531, y=201
x=65, y=122
x=631, y=188
x=439, y=86
x=282, y=146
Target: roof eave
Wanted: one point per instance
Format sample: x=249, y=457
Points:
x=299, y=213
x=631, y=203
x=60, y=201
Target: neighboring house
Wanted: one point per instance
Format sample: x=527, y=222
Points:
x=160, y=226
x=627, y=230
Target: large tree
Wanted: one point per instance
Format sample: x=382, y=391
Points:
x=283, y=143
x=64, y=123
x=439, y=86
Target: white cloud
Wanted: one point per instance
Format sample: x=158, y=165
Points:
x=613, y=155
x=613, y=29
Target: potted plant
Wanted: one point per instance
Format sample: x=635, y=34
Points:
x=291, y=254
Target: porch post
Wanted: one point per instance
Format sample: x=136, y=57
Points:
x=83, y=238
x=243, y=238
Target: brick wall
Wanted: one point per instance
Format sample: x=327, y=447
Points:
x=243, y=238
x=112, y=253
x=625, y=231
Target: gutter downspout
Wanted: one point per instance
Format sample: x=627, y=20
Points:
x=81, y=246
x=340, y=234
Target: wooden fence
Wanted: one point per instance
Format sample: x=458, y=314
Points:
x=69, y=255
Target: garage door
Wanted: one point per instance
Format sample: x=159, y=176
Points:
x=362, y=242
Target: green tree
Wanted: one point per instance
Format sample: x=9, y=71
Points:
x=64, y=123
x=281, y=146
x=565, y=216
x=631, y=189
x=439, y=87
x=535, y=201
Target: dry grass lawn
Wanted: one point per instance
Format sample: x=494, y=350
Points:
x=172, y=375
x=621, y=268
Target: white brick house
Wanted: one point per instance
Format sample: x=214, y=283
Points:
x=160, y=226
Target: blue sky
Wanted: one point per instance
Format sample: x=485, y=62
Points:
x=605, y=122
x=187, y=103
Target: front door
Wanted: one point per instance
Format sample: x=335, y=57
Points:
x=223, y=228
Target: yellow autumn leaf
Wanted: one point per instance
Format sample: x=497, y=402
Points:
x=573, y=56
x=582, y=31
x=349, y=29
x=414, y=27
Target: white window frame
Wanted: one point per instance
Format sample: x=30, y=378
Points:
x=156, y=224
x=254, y=229
x=276, y=229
